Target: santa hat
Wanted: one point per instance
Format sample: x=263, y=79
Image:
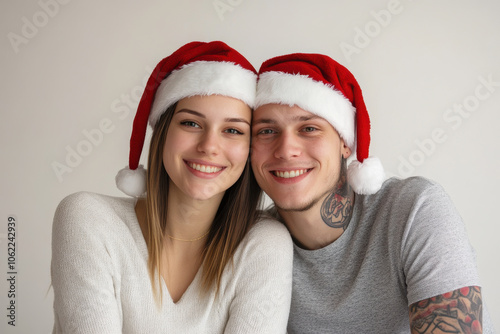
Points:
x=320, y=85
x=197, y=68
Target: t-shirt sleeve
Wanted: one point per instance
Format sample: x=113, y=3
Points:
x=263, y=270
x=436, y=253
x=82, y=270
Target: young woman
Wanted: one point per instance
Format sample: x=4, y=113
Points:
x=185, y=255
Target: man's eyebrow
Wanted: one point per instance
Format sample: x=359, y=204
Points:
x=306, y=118
x=263, y=121
x=295, y=119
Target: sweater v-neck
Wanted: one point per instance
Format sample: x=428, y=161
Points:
x=136, y=231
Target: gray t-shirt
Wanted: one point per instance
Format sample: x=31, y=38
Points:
x=404, y=244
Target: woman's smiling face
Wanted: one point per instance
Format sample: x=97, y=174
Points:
x=207, y=145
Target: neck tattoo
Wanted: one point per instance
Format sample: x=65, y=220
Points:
x=188, y=240
x=336, y=210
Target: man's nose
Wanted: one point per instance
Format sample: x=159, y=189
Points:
x=288, y=146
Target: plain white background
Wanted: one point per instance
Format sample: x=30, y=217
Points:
x=72, y=73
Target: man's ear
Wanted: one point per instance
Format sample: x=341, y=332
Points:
x=346, y=151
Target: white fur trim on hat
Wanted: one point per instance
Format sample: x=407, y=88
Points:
x=204, y=78
x=132, y=182
x=310, y=95
x=367, y=177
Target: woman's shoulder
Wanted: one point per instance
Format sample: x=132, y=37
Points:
x=87, y=209
x=269, y=230
x=82, y=199
x=267, y=236
x=78, y=201
x=262, y=263
x=84, y=202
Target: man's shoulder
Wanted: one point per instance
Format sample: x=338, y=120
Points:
x=415, y=183
x=408, y=189
x=398, y=198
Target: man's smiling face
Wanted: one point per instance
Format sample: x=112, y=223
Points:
x=296, y=155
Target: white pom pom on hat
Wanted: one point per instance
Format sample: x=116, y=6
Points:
x=322, y=86
x=366, y=177
x=197, y=68
x=132, y=182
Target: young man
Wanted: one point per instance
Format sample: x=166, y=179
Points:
x=370, y=256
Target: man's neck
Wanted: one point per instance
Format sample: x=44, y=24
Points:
x=323, y=223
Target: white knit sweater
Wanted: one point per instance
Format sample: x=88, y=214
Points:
x=101, y=282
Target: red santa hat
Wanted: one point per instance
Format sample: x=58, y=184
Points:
x=197, y=68
x=320, y=85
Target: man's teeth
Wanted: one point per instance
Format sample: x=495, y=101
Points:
x=204, y=168
x=290, y=174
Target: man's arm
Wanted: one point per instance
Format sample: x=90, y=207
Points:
x=458, y=311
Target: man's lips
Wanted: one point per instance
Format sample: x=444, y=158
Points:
x=290, y=174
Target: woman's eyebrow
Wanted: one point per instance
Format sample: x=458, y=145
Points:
x=229, y=119
x=237, y=120
x=189, y=111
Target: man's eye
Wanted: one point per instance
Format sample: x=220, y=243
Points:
x=309, y=129
x=265, y=132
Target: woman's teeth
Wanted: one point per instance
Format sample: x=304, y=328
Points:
x=204, y=168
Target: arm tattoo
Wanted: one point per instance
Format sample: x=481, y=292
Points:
x=336, y=209
x=458, y=311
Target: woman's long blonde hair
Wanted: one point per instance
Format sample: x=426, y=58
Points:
x=234, y=218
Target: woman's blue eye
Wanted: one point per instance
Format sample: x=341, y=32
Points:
x=190, y=123
x=234, y=132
